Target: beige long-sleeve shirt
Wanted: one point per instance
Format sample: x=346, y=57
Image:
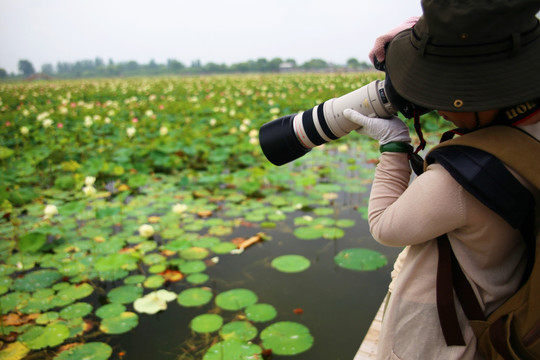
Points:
x=490, y=252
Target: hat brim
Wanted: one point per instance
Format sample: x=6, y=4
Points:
x=466, y=85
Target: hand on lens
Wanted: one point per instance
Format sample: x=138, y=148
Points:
x=383, y=130
x=377, y=54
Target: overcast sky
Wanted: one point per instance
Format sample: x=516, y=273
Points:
x=221, y=31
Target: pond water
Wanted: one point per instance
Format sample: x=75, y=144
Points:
x=336, y=304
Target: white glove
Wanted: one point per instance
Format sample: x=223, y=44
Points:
x=383, y=130
x=377, y=54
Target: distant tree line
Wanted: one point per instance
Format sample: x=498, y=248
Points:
x=99, y=68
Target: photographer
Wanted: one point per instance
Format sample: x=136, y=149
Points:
x=475, y=64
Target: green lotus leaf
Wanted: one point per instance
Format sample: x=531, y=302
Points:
x=158, y=268
x=360, y=259
x=206, y=323
x=32, y=241
x=197, y=278
x=308, y=232
x=134, y=279
x=77, y=310
x=195, y=297
x=75, y=292
x=154, y=281
x=240, y=330
x=47, y=317
x=345, y=223
x=39, y=279
x=152, y=259
x=110, y=310
x=88, y=351
x=207, y=242
x=333, y=233
x=260, y=312
x=194, y=253
x=291, y=263
x=323, y=211
x=223, y=247
x=117, y=261
x=119, y=324
x=125, y=294
x=287, y=338
x=233, y=349
x=194, y=266
x=324, y=221
x=236, y=299
x=39, y=337
x=14, y=351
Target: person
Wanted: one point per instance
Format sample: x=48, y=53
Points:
x=473, y=62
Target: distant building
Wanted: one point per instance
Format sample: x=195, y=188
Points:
x=286, y=67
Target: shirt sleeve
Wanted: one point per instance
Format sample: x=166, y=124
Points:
x=400, y=214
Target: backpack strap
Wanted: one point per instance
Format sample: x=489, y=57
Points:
x=485, y=177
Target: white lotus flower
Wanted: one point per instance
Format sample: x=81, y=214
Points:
x=163, y=131
x=146, y=230
x=50, y=211
x=130, y=131
x=89, y=180
x=88, y=121
x=47, y=123
x=24, y=130
x=179, y=208
x=89, y=190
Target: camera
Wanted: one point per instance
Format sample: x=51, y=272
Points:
x=292, y=136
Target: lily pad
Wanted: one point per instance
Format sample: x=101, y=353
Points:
x=236, y=299
x=78, y=310
x=39, y=337
x=119, y=324
x=110, y=310
x=125, y=294
x=88, y=351
x=360, y=259
x=14, y=351
x=240, y=330
x=260, y=312
x=194, y=253
x=291, y=263
x=197, y=278
x=308, y=232
x=192, y=267
x=206, y=323
x=154, y=281
x=223, y=247
x=195, y=297
x=233, y=349
x=36, y=280
x=287, y=338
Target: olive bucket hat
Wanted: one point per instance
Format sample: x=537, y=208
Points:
x=468, y=55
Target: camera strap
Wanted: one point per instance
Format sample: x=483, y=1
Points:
x=415, y=160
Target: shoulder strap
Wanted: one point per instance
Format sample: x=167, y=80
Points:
x=469, y=161
x=509, y=144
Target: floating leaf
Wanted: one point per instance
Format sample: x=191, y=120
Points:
x=75, y=311
x=333, y=233
x=124, y=294
x=32, y=241
x=119, y=324
x=286, y=338
x=345, y=223
x=291, y=263
x=233, y=349
x=39, y=337
x=35, y=280
x=194, y=253
x=260, y=312
x=240, y=330
x=308, y=232
x=223, y=248
x=197, y=278
x=195, y=297
x=360, y=259
x=236, y=299
x=191, y=267
x=14, y=351
x=88, y=351
x=206, y=323
x=134, y=279
x=110, y=310
x=154, y=281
